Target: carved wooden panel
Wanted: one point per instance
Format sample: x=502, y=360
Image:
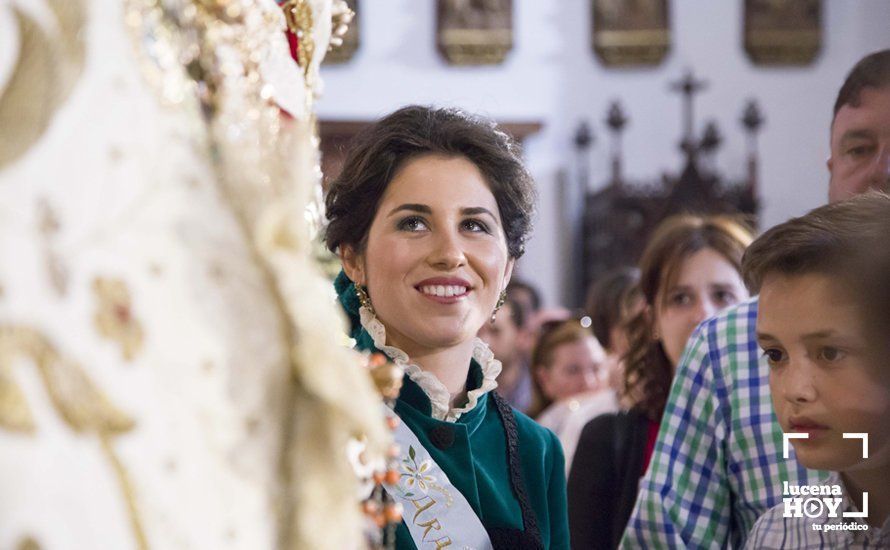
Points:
x=783, y=32
x=631, y=32
x=474, y=32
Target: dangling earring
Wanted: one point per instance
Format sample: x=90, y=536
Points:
x=363, y=297
x=501, y=300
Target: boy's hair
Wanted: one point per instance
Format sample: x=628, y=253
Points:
x=849, y=240
x=834, y=239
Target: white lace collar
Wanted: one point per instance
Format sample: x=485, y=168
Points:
x=440, y=398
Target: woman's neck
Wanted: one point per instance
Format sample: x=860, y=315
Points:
x=450, y=365
x=873, y=482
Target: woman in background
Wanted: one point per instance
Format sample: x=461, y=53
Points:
x=688, y=272
x=570, y=379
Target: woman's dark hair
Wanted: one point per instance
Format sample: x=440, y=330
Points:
x=609, y=301
x=378, y=152
x=647, y=370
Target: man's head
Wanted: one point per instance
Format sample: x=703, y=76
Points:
x=860, y=131
x=502, y=335
x=824, y=325
x=529, y=299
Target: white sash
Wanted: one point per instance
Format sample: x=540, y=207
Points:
x=435, y=512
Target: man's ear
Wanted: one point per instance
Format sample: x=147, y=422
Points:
x=353, y=264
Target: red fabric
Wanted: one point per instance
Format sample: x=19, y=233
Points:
x=294, y=44
x=650, y=444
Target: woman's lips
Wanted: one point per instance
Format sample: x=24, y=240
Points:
x=444, y=290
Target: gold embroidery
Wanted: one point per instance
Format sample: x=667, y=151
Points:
x=429, y=525
x=298, y=14
x=79, y=402
x=28, y=543
x=115, y=319
x=45, y=72
x=422, y=509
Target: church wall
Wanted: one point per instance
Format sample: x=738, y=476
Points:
x=552, y=76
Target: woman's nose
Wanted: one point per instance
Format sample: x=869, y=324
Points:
x=704, y=309
x=447, y=252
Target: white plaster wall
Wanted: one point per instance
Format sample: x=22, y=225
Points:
x=553, y=77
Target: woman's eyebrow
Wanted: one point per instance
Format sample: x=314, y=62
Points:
x=476, y=210
x=411, y=207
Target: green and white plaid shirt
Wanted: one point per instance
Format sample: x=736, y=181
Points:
x=717, y=464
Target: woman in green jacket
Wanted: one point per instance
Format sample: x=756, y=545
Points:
x=429, y=214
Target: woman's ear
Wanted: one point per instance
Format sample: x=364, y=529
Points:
x=508, y=273
x=353, y=264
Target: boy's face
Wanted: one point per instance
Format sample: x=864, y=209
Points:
x=821, y=378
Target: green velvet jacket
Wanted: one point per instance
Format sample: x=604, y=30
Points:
x=475, y=460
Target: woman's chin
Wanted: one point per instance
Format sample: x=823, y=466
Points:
x=446, y=336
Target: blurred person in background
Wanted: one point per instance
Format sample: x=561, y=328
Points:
x=689, y=271
x=612, y=301
x=503, y=335
x=569, y=373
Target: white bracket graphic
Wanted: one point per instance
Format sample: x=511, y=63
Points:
x=788, y=436
x=864, y=512
x=863, y=437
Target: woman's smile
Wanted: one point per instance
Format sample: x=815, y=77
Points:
x=444, y=290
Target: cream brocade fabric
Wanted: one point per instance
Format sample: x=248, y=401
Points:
x=440, y=397
x=172, y=374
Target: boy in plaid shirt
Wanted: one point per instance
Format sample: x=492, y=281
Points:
x=824, y=326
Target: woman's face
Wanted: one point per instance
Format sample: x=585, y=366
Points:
x=706, y=283
x=575, y=367
x=436, y=256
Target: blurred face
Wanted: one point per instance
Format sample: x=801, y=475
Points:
x=436, y=257
x=501, y=336
x=706, y=283
x=576, y=367
x=860, y=146
x=821, y=381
